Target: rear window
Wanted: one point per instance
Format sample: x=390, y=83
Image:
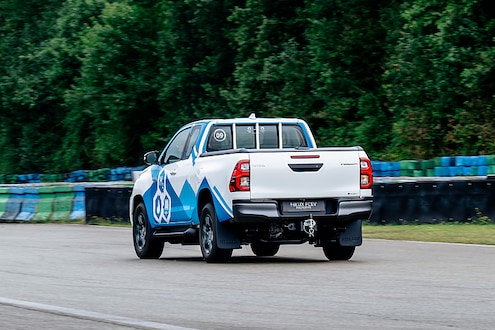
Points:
x=221, y=137
x=245, y=136
x=269, y=136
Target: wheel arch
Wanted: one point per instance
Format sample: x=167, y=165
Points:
x=227, y=237
x=134, y=202
x=204, y=197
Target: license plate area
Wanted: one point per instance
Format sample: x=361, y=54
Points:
x=303, y=206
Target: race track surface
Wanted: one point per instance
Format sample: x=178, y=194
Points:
x=67, y=276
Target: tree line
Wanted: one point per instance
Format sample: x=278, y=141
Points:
x=87, y=84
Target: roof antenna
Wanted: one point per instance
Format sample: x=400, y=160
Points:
x=252, y=116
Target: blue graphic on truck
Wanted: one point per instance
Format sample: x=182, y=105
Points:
x=161, y=201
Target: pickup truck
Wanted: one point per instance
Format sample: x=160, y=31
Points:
x=225, y=183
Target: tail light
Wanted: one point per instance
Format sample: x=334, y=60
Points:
x=240, y=180
x=366, y=173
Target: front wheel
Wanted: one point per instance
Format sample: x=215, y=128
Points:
x=208, y=238
x=145, y=245
x=334, y=251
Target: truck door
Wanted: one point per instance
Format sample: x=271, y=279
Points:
x=175, y=200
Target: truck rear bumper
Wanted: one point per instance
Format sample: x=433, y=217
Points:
x=266, y=211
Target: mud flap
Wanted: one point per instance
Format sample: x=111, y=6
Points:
x=226, y=237
x=353, y=234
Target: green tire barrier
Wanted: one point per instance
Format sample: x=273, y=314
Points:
x=45, y=203
x=4, y=197
x=98, y=175
x=417, y=168
x=8, y=178
x=62, y=204
x=52, y=178
x=409, y=167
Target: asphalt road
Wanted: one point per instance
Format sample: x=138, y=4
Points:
x=88, y=277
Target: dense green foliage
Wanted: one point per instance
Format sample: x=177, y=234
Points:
x=86, y=84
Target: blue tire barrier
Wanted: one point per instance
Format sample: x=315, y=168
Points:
x=116, y=174
x=77, y=176
x=29, y=178
x=482, y=170
x=78, y=206
x=29, y=204
x=482, y=161
x=121, y=173
x=13, y=206
x=385, y=169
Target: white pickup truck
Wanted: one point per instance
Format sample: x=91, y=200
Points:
x=225, y=183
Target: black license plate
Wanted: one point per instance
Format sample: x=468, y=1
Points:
x=303, y=206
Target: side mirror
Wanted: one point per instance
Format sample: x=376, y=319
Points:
x=151, y=157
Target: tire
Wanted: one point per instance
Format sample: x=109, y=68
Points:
x=262, y=249
x=208, y=238
x=145, y=245
x=335, y=251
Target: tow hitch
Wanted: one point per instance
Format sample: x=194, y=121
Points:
x=309, y=226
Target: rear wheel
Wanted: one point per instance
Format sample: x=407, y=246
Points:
x=334, y=251
x=265, y=249
x=208, y=238
x=145, y=245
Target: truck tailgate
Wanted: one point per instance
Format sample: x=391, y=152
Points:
x=305, y=174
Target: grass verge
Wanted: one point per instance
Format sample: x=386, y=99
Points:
x=449, y=232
